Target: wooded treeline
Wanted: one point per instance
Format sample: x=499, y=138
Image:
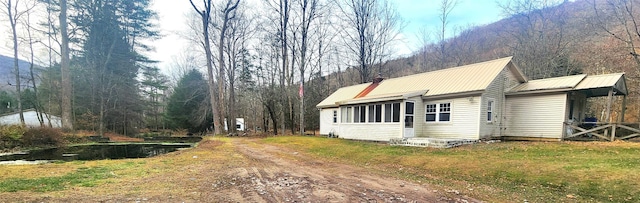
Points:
x=272, y=61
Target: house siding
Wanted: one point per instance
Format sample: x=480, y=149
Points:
x=418, y=119
x=539, y=116
x=495, y=92
x=370, y=131
x=464, y=119
x=326, y=121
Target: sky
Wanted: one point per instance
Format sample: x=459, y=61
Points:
x=417, y=14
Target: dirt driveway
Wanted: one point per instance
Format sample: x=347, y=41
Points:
x=261, y=173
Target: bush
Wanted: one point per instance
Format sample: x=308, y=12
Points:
x=13, y=132
x=42, y=137
x=10, y=136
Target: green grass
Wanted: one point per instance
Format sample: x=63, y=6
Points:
x=508, y=171
x=82, y=177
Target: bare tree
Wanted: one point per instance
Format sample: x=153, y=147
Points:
x=228, y=13
x=371, y=25
x=14, y=15
x=539, y=28
x=67, y=120
x=620, y=20
x=309, y=14
x=30, y=40
x=205, y=15
x=446, y=6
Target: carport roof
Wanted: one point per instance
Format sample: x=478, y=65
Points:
x=592, y=85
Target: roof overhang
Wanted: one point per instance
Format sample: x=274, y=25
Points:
x=543, y=91
x=381, y=98
x=454, y=95
x=601, y=86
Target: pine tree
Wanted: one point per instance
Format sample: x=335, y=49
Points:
x=187, y=105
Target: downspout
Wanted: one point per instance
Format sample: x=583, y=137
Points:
x=502, y=106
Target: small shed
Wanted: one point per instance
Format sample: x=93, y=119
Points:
x=30, y=119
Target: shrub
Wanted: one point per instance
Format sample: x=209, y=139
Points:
x=13, y=132
x=41, y=137
x=10, y=136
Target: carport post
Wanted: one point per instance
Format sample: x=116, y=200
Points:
x=624, y=108
x=609, y=101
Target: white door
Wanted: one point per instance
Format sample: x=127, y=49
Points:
x=408, y=119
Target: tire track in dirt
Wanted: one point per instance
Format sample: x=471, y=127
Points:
x=275, y=174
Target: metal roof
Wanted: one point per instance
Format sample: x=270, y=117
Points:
x=468, y=78
x=549, y=83
x=606, y=81
x=591, y=85
x=342, y=94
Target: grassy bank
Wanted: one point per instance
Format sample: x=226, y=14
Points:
x=508, y=171
x=162, y=175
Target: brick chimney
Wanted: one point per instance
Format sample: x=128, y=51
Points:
x=378, y=79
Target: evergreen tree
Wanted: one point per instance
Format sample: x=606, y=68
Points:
x=154, y=85
x=109, y=62
x=187, y=106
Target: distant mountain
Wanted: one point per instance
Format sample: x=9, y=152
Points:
x=7, y=74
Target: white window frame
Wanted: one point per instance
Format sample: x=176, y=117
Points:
x=347, y=114
x=438, y=112
x=391, y=112
x=361, y=114
x=375, y=113
x=491, y=106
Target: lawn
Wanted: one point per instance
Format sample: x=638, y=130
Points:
x=507, y=171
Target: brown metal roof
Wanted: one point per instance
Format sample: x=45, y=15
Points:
x=468, y=78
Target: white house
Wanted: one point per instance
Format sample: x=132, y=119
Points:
x=30, y=119
x=483, y=100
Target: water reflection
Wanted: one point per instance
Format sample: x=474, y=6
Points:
x=96, y=152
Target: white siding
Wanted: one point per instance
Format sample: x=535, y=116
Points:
x=326, y=121
x=464, y=119
x=495, y=91
x=539, y=116
x=370, y=131
x=418, y=119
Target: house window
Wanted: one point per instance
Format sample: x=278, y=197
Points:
x=438, y=112
x=346, y=115
x=490, y=111
x=392, y=112
x=445, y=112
x=360, y=114
x=335, y=116
x=375, y=113
x=431, y=112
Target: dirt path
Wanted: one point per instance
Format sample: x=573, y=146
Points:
x=280, y=175
x=242, y=170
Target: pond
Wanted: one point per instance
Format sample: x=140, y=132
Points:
x=94, y=152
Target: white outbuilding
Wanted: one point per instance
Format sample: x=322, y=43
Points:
x=30, y=119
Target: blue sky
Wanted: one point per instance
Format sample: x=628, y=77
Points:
x=421, y=14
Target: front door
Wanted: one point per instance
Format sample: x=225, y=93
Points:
x=408, y=119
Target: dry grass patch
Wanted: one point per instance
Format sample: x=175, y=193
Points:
x=508, y=171
x=160, y=176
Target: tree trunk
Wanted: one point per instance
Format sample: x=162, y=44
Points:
x=13, y=20
x=67, y=120
x=206, y=15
